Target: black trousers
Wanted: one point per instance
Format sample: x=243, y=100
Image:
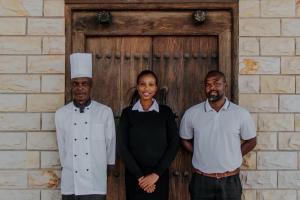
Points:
x=207, y=188
x=84, y=197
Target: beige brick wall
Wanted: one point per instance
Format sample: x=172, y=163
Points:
x=32, y=67
x=269, y=87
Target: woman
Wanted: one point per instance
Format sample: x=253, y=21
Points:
x=148, y=142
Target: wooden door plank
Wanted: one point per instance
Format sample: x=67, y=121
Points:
x=136, y=53
x=225, y=61
x=106, y=69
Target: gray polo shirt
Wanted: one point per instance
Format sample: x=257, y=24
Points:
x=217, y=145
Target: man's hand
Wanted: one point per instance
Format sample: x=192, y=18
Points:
x=147, y=183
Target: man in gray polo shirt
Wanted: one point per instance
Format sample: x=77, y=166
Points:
x=212, y=131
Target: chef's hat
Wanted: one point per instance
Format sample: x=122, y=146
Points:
x=81, y=65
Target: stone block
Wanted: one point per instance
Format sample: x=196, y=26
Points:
x=259, y=65
x=276, y=195
x=278, y=84
x=54, y=8
x=289, y=179
x=259, y=179
x=12, y=64
x=276, y=122
x=259, y=27
x=46, y=26
x=48, y=122
x=248, y=46
x=249, y=84
x=53, y=83
x=289, y=103
x=41, y=141
x=53, y=45
x=249, y=8
x=18, y=27
x=290, y=27
x=19, y=121
x=259, y=102
x=277, y=46
x=266, y=141
x=289, y=141
x=249, y=161
x=290, y=65
x=19, y=159
x=12, y=141
x=21, y=8
x=44, y=179
x=20, y=194
x=20, y=45
x=44, y=102
x=12, y=103
x=46, y=64
x=50, y=195
x=277, y=160
x=50, y=159
x=19, y=83
x=13, y=179
x=278, y=8
x=249, y=195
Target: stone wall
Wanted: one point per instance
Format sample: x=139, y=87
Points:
x=32, y=65
x=269, y=85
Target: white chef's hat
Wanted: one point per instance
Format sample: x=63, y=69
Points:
x=81, y=65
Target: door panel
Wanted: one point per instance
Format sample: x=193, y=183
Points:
x=117, y=61
x=181, y=64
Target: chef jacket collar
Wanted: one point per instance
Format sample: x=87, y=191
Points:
x=83, y=106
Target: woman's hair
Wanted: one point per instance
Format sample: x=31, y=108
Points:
x=135, y=96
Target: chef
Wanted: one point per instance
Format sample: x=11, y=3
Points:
x=86, y=137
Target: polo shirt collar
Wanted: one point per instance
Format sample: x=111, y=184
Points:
x=208, y=108
x=138, y=106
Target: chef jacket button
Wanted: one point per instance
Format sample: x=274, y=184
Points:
x=75, y=110
x=76, y=172
x=75, y=139
x=87, y=108
x=75, y=155
x=85, y=122
x=87, y=170
x=86, y=138
x=75, y=124
x=86, y=153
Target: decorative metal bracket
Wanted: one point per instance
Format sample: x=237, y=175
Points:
x=199, y=16
x=104, y=17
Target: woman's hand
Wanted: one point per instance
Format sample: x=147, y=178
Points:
x=147, y=182
x=150, y=189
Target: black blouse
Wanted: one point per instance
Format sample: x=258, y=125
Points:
x=148, y=140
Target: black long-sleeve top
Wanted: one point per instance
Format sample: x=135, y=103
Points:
x=148, y=140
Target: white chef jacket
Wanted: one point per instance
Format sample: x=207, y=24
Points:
x=86, y=144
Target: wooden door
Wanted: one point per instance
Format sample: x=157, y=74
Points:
x=180, y=63
x=162, y=38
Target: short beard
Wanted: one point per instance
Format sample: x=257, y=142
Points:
x=214, y=98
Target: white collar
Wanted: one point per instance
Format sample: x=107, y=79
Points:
x=208, y=108
x=138, y=106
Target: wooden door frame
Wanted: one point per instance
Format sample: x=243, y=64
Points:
x=230, y=6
